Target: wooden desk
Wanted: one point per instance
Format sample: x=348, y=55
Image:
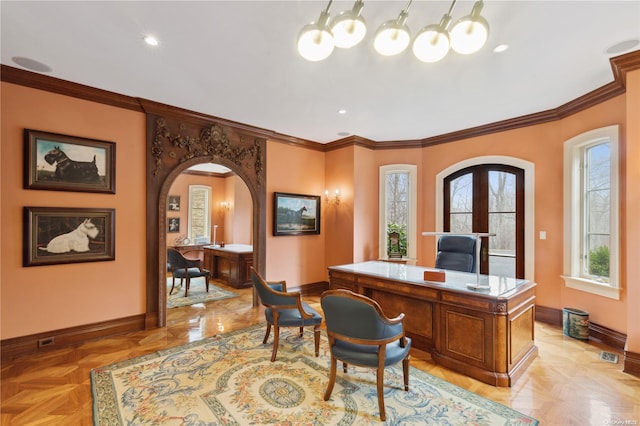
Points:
x=230, y=263
x=485, y=334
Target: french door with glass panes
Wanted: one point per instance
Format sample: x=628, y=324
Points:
x=489, y=198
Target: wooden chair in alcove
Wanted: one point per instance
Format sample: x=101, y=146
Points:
x=185, y=269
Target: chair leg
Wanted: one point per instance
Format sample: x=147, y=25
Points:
x=173, y=284
x=266, y=336
x=380, y=385
x=276, y=338
x=186, y=287
x=301, y=331
x=405, y=372
x=332, y=378
x=316, y=338
x=207, y=278
x=344, y=367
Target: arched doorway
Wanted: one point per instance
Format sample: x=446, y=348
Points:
x=211, y=204
x=173, y=145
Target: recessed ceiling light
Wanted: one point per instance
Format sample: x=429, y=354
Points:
x=342, y=111
x=31, y=64
x=500, y=48
x=623, y=46
x=151, y=40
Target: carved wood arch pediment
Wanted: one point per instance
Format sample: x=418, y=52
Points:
x=174, y=143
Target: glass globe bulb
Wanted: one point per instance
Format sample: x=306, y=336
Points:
x=431, y=44
x=469, y=34
x=348, y=30
x=391, y=38
x=315, y=42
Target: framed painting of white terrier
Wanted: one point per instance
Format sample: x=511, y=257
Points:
x=54, y=235
x=68, y=163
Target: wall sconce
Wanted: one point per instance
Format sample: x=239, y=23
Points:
x=225, y=206
x=336, y=198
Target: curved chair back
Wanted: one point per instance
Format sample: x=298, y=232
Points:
x=272, y=294
x=175, y=259
x=357, y=317
x=285, y=310
x=457, y=252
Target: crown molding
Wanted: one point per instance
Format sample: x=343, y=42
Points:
x=47, y=83
x=620, y=66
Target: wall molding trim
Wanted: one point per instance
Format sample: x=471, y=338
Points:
x=56, y=339
x=597, y=332
x=620, y=65
x=631, y=363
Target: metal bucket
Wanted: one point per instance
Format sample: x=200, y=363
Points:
x=575, y=323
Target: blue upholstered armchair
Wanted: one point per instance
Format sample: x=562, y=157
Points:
x=285, y=309
x=184, y=268
x=360, y=334
x=457, y=252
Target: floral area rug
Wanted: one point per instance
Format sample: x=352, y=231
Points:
x=197, y=293
x=229, y=380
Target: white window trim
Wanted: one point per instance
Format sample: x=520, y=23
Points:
x=412, y=231
x=573, y=149
x=529, y=201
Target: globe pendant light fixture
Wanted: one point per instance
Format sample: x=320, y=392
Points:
x=315, y=41
x=471, y=32
x=349, y=27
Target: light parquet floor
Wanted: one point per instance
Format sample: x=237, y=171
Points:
x=567, y=384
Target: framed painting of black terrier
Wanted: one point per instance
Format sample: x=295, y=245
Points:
x=68, y=163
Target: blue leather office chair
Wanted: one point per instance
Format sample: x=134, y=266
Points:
x=360, y=334
x=285, y=309
x=184, y=268
x=457, y=252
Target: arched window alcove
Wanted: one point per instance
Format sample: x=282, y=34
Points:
x=173, y=145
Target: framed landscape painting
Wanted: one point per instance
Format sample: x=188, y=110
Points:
x=296, y=214
x=68, y=163
x=54, y=235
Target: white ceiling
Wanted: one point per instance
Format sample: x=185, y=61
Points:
x=237, y=60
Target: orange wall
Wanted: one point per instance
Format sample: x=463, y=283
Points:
x=39, y=299
x=631, y=224
x=234, y=225
x=239, y=218
x=542, y=145
x=338, y=226
x=51, y=297
x=298, y=259
x=180, y=187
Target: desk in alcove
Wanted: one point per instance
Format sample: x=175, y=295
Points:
x=486, y=334
x=230, y=263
